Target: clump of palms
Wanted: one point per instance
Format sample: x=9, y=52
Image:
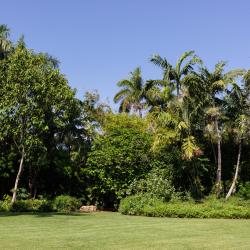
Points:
x=238, y=123
x=174, y=76
x=131, y=94
x=212, y=87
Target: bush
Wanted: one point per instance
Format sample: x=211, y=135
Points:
x=31, y=206
x=117, y=157
x=135, y=205
x=62, y=203
x=244, y=190
x=66, y=204
x=158, y=184
x=210, y=208
x=4, y=207
x=5, y=204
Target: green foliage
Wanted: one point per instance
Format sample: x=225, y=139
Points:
x=42, y=123
x=135, y=205
x=66, y=204
x=175, y=76
x=57, y=144
x=132, y=93
x=31, y=206
x=244, y=190
x=211, y=208
x=118, y=156
x=5, y=43
x=22, y=194
x=62, y=203
x=158, y=183
x=5, y=204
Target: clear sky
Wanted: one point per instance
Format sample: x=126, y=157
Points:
x=98, y=42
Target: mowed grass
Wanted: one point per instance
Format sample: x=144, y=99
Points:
x=105, y=230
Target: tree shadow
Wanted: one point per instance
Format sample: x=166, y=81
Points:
x=40, y=214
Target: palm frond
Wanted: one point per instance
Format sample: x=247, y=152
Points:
x=219, y=68
x=218, y=85
x=182, y=58
x=159, y=61
x=153, y=83
x=4, y=31
x=121, y=95
x=125, y=83
x=232, y=74
x=189, y=147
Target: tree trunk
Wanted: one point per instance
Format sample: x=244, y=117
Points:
x=140, y=113
x=218, y=174
x=213, y=149
x=18, y=176
x=33, y=182
x=178, y=89
x=232, y=188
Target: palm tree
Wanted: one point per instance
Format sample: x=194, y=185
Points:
x=212, y=86
x=241, y=130
x=132, y=93
x=175, y=75
x=158, y=95
x=174, y=126
x=5, y=44
x=239, y=122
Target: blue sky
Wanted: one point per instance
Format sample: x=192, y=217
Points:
x=98, y=42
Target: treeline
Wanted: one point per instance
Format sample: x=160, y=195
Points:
x=183, y=135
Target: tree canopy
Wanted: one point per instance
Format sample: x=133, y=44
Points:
x=184, y=133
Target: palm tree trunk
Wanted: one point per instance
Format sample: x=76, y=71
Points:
x=18, y=176
x=140, y=112
x=178, y=89
x=232, y=188
x=218, y=174
x=33, y=181
x=213, y=149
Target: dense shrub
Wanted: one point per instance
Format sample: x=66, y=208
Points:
x=158, y=184
x=66, y=204
x=211, y=208
x=135, y=205
x=244, y=190
x=118, y=156
x=62, y=203
x=4, y=207
x=5, y=204
x=31, y=206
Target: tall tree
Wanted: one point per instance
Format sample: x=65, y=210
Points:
x=175, y=75
x=32, y=92
x=132, y=93
x=158, y=95
x=212, y=86
x=238, y=123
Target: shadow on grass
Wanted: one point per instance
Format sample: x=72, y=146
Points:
x=41, y=214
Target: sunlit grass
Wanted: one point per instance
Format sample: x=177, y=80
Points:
x=115, y=231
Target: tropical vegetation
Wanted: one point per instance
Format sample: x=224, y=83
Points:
x=180, y=138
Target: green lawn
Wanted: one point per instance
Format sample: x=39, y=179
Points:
x=115, y=231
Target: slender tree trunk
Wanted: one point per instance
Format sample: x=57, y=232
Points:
x=218, y=174
x=140, y=113
x=34, y=192
x=232, y=188
x=18, y=176
x=32, y=182
x=213, y=149
x=178, y=89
